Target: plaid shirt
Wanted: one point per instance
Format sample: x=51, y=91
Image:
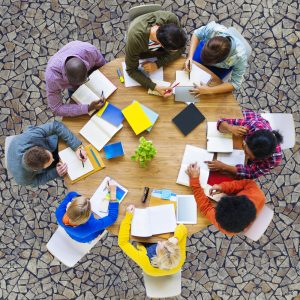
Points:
x=257, y=167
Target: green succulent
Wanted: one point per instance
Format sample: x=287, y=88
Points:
x=144, y=152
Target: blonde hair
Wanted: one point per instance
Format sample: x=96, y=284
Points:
x=79, y=211
x=168, y=257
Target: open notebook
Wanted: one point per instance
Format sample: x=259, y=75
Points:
x=92, y=89
x=153, y=220
x=191, y=155
x=98, y=131
x=217, y=141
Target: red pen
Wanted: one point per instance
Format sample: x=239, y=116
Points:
x=172, y=87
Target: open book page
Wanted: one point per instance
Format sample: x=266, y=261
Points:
x=84, y=95
x=162, y=218
x=216, y=197
x=235, y=158
x=98, y=83
x=98, y=131
x=186, y=209
x=218, y=141
x=141, y=225
x=75, y=168
x=191, y=155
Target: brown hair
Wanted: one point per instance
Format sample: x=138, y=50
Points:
x=36, y=158
x=79, y=211
x=215, y=50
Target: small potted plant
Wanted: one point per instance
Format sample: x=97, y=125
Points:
x=144, y=152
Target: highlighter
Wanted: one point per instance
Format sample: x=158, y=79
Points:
x=120, y=75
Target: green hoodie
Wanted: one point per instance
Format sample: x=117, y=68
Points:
x=137, y=43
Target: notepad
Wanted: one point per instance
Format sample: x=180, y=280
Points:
x=153, y=220
x=197, y=76
x=152, y=115
x=186, y=211
x=192, y=155
x=136, y=117
x=113, y=150
x=100, y=199
x=188, y=119
x=237, y=157
x=98, y=131
x=130, y=82
x=111, y=114
x=92, y=89
x=75, y=168
x=218, y=141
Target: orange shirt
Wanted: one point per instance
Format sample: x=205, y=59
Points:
x=245, y=187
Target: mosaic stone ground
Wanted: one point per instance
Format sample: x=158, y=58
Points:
x=217, y=267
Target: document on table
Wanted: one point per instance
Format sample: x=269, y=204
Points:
x=236, y=157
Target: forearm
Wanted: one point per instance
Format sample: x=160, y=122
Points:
x=124, y=232
x=43, y=178
x=141, y=78
x=224, y=127
x=229, y=169
x=224, y=87
x=193, y=46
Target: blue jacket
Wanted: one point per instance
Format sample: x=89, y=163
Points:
x=45, y=136
x=88, y=231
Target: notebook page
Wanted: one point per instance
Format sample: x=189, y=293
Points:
x=183, y=78
x=162, y=218
x=234, y=158
x=212, y=131
x=98, y=83
x=84, y=95
x=140, y=225
x=75, y=168
x=198, y=75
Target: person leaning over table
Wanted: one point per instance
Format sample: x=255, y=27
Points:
x=68, y=69
x=32, y=156
x=159, y=259
x=221, y=52
x=74, y=215
x=233, y=213
x=157, y=34
x=261, y=145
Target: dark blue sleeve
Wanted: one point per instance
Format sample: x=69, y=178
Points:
x=61, y=210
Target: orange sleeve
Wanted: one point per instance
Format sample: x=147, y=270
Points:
x=235, y=186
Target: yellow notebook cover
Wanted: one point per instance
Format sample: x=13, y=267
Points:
x=136, y=117
x=95, y=159
x=102, y=109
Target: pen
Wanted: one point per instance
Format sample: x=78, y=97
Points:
x=170, y=89
x=189, y=70
x=82, y=157
x=120, y=75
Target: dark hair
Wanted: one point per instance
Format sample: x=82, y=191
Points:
x=235, y=213
x=76, y=70
x=215, y=50
x=171, y=36
x=262, y=143
x=36, y=157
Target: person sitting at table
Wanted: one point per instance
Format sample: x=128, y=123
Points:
x=74, y=215
x=159, y=259
x=221, y=52
x=261, y=145
x=32, y=156
x=234, y=212
x=68, y=69
x=157, y=34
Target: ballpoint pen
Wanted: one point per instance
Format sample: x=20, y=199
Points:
x=189, y=70
x=82, y=157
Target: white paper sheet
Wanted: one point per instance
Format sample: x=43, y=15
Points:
x=186, y=209
x=218, y=141
x=235, y=158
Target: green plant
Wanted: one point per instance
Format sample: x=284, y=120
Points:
x=144, y=152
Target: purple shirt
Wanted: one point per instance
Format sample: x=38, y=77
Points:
x=57, y=81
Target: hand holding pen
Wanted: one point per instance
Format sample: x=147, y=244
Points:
x=81, y=154
x=98, y=103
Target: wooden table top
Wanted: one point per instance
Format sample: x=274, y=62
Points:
x=162, y=171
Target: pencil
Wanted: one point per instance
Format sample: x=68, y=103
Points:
x=81, y=156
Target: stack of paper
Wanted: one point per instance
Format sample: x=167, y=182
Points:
x=152, y=115
x=136, y=117
x=217, y=141
x=237, y=157
x=98, y=131
x=192, y=155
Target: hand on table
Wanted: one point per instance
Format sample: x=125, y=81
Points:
x=81, y=154
x=149, y=66
x=162, y=90
x=61, y=169
x=215, y=165
x=96, y=105
x=215, y=189
x=238, y=130
x=130, y=208
x=199, y=90
x=193, y=171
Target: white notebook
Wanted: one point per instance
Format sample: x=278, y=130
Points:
x=218, y=141
x=75, y=168
x=100, y=199
x=191, y=155
x=186, y=209
x=92, y=89
x=236, y=157
x=153, y=220
x=98, y=131
x=197, y=75
x=157, y=75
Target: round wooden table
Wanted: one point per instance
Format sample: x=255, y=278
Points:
x=162, y=171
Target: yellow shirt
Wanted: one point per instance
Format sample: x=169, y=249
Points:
x=139, y=254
